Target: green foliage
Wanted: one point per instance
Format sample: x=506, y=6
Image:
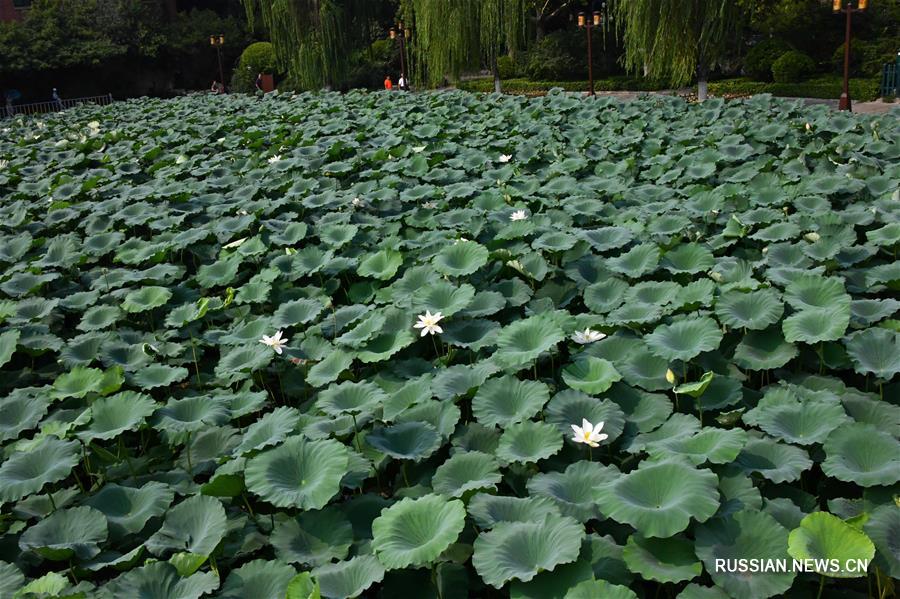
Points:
x=257, y=415
x=257, y=58
x=530, y=87
x=507, y=67
x=866, y=57
x=792, y=67
x=825, y=87
x=677, y=39
x=758, y=62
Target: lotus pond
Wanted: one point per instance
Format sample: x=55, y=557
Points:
x=362, y=345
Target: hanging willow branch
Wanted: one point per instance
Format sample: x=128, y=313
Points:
x=674, y=39
x=314, y=40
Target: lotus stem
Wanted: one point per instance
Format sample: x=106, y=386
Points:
x=187, y=447
x=403, y=471
x=52, y=501
x=247, y=503
x=196, y=364
x=355, y=433
x=821, y=586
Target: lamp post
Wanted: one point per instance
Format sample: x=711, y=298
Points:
x=401, y=33
x=839, y=7
x=596, y=18
x=217, y=41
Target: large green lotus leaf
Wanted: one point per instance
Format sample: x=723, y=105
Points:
x=473, y=334
x=461, y=379
x=871, y=410
x=684, y=339
x=809, y=292
x=713, y=445
x=869, y=311
x=460, y=259
x=414, y=532
x=313, y=538
x=26, y=472
x=644, y=369
x=816, y=325
x=861, y=454
x=529, y=442
x=754, y=310
x=11, y=579
x=489, y=510
x=350, y=398
x=8, y=340
x=301, y=311
x=520, y=343
x=66, y=533
x=160, y=579
x=158, y=375
x=78, y=382
x=381, y=265
x=196, y=525
x=644, y=411
x=823, y=536
x=270, y=429
x=591, y=375
x=640, y=260
x=442, y=415
x=677, y=426
x=571, y=407
x=261, y=579
x=406, y=441
x=507, y=400
x=128, y=509
x=652, y=292
x=688, y=258
x=98, y=317
x=744, y=535
x=350, y=578
x=775, y=461
x=219, y=273
x=659, y=499
x=21, y=412
x=607, y=238
x=801, y=421
x=663, y=560
x=519, y=550
x=605, y=296
x=443, y=297
x=146, y=298
x=875, y=351
x=329, y=369
x=298, y=473
x=337, y=235
x=576, y=491
x=883, y=527
x=362, y=332
x=115, y=414
x=464, y=472
x=191, y=414
x=591, y=589
x=764, y=350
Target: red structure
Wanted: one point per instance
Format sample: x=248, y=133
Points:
x=12, y=10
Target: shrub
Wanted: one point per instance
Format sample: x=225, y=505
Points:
x=256, y=58
x=825, y=87
x=759, y=60
x=557, y=56
x=507, y=67
x=792, y=67
x=866, y=57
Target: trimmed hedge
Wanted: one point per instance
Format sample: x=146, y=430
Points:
x=826, y=87
x=792, y=67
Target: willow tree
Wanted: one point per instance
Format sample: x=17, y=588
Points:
x=676, y=40
x=315, y=40
x=450, y=36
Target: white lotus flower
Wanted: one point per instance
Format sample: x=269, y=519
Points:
x=518, y=215
x=275, y=158
x=587, y=336
x=588, y=433
x=505, y=157
x=418, y=149
x=275, y=342
x=429, y=205
x=357, y=202
x=428, y=322
x=812, y=237
x=3, y=164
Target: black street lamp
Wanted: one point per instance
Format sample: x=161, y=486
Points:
x=588, y=24
x=839, y=7
x=401, y=33
x=217, y=41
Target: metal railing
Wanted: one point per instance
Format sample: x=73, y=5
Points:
x=54, y=106
x=890, y=79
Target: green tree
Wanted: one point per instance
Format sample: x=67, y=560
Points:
x=677, y=40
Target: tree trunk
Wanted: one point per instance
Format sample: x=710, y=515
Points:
x=495, y=71
x=170, y=8
x=701, y=80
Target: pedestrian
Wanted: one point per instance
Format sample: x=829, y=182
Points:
x=259, y=82
x=10, y=111
x=388, y=84
x=217, y=88
x=402, y=83
x=57, y=101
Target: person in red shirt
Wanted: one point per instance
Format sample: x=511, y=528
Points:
x=388, y=84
